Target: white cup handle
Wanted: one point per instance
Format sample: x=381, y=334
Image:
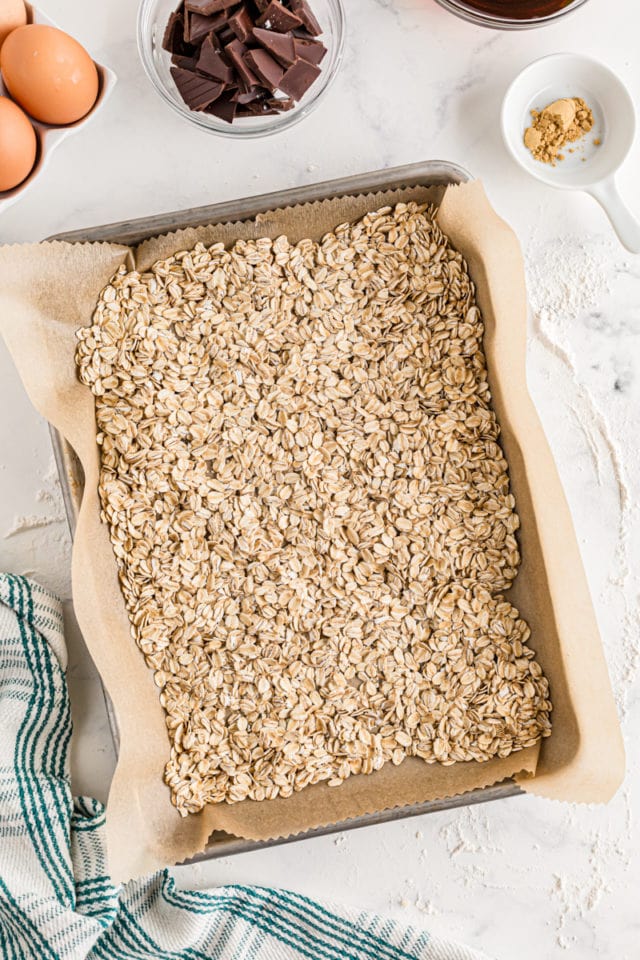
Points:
x=623, y=221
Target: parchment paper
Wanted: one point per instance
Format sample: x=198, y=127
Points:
x=48, y=291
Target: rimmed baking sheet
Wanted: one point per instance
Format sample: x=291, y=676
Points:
x=429, y=173
x=48, y=291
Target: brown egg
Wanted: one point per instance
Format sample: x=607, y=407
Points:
x=13, y=13
x=18, y=145
x=49, y=74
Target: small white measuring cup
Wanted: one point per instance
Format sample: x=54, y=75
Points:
x=595, y=159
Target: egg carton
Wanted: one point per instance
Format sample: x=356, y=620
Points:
x=49, y=137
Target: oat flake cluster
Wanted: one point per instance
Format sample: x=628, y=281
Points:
x=310, y=509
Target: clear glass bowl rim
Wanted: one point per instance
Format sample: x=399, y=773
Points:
x=282, y=122
x=498, y=22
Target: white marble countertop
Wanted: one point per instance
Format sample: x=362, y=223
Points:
x=519, y=878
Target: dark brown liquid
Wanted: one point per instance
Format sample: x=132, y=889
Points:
x=516, y=9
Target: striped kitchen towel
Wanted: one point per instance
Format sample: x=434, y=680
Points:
x=56, y=899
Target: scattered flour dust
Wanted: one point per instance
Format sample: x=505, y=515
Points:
x=419, y=903
x=570, y=279
x=469, y=832
x=580, y=894
x=39, y=544
x=567, y=278
x=49, y=494
x=30, y=521
x=564, y=278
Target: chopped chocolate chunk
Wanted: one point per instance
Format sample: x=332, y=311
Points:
x=226, y=36
x=235, y=52
x=244, y=87
x=173, y=40
x=241, y=24
x=198, y=27
x=265, y=68
x=174, y=24
x=207, y=7
x=213, y=64
x=299, y=78
x=196, y=91
x=185, y=63
x=225, y=108
x=279, y=45
x=277, y=17
x=216, y=42
x=310, y=50
x=302, y=9
x=243, y=58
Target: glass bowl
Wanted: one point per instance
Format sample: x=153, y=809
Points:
x=536, y=13
x=152, y=20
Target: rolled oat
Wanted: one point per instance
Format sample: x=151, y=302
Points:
x=310, y=508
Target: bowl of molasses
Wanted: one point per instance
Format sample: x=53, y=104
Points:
x=511, y=14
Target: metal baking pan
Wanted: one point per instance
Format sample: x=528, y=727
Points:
x=131, y=232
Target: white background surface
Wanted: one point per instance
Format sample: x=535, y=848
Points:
x=522, y=878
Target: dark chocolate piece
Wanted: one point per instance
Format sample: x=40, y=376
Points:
x=244, y=87
x=265, y=68
x=224, y=107
x=174, y=27
x=241, y=24
x=277, y=17
x=207, y=7
x=196, y=91
x=216, y=43
x=226, y=36
x=310, y=50
x=299, y=78
x=185, y=63
x=235, y=52
x=302, y=9
x=173, y=40
x=197, y=27
x=243, y=58
x=212, y=63
x=279, y=45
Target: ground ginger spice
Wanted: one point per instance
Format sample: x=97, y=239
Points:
x=561, y=122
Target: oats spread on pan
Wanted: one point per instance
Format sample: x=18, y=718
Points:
x=310, y=509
